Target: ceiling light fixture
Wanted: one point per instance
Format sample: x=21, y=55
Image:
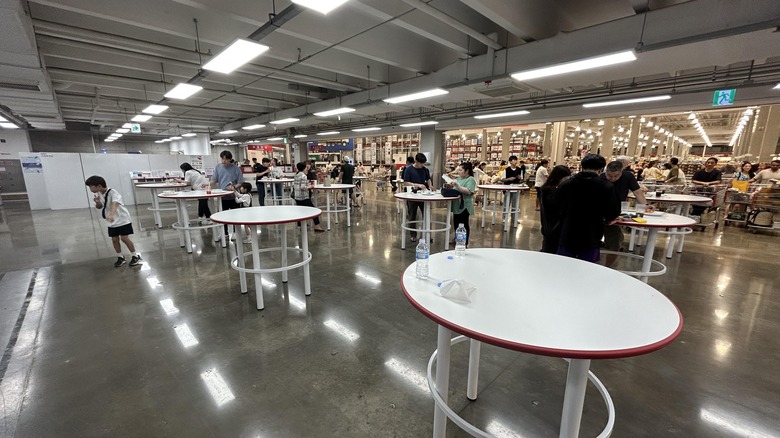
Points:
x=322, y=6
x=627, y=101
x=283, y=121
x=253, y=127
x=122, y=130
x=8, y=125
x=238, y=53
x=176, y=138
x=228, y=132
x=300, y=136
x=154, y=109
x=189, y=134
x=509, y=114
x=409, y=125
x=776, y=87
x=334, y=112
x=329, y=133
x=375, y=128
x=183, y=91
x=274, y=139
x=141, y=118
x=417, y=96
x=574, y=66
x=127, y=126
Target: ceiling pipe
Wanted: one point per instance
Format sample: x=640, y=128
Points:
x=446, y=19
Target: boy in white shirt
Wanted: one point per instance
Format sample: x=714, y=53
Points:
x=120, y=226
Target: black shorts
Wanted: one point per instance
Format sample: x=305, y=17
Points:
x=124, y=230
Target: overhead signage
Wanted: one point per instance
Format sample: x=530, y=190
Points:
x=724, y=97
x=135, y=128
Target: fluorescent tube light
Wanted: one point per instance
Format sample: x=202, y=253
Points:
x=416, y=96
x=189, y=134
x=228, y=132
x=253, y=127
x=141, y=118
x=238, y=53
x=154, y=109
x=509, y=114
x=322, y=6
x=8, y=125
x=300, y=136
x=569, y=67
x=183, y=91
x=122, y=130
x=3, y=119
x=334, y=112
x=115, y=135
x=274, y=139
x=176, y=138
x=127, y=126
x=407, y=125
x=283, y=121
x=366, y=129
x=165, y=140
x=627, y=101
x=159, y=141
x=776, y=87
x=329, y=133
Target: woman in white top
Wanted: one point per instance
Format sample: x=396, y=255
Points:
x=197, y=181
x=539, y=179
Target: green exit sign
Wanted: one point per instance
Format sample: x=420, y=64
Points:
x=724, y=97
x=135, y=128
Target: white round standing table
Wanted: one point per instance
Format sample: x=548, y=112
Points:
x=510, y=192
x=269, y=215
x=270, y=183
x=655, y=222
x=335, y=207
x=427, y=222
x=183, y=223
x=568, y=308
x=156, y=202
x=682, y=206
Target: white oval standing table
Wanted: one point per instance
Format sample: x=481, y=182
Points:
x=269, y=215
x=335, y=208
x=567, y=308
x=156, y=202
x=508, y=191
x=426, y=230
x=183, y=217
x=653, y=225
x=271, y=183
x=682, y=206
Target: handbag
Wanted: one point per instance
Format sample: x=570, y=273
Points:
x=452, y=192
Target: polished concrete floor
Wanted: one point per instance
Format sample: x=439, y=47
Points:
x=172, y=348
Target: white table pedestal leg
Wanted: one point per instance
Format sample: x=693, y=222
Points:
x=185, y=217
x=256, y=265
x=647, y=261
x=631, y=240
x=403, y=224
x=484, y=204
x=241, y=263
x=336, y=207
x=180, y=220
x=327, y=206
x=447, y=233
x=574, y=398
x=507, y=217
x=442, y=379
x=686, y=212
x=473, y=379
x=221, y=229
x=305, y=247
x=670, y=249
x=516, y=207
x=156, y=207
x=349, y=212
x=427, y=222
x=493, y=211
x=284, y=251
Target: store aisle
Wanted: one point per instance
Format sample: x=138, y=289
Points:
x=171, y=348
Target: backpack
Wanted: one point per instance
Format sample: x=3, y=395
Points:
x=452, y=192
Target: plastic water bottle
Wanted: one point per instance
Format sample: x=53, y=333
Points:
x=460, y=240
x=422, y=259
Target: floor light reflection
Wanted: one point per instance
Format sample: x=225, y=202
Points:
x=298, y=303
x=185, y=335
x=739, y=429
x=217, y=387
x=408, y=374
x=340, y=329
x=497, y=429
x=367, y=277
x=168, y=306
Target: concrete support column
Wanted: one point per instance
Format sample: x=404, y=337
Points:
x=506, y=140
x=669, y=146
x=432, y=144
x=547, y=143
x=633, y=138
x=606, y=138
x=557, y=149
x=764, y=140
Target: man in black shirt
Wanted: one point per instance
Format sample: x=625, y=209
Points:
x=418, y=177
x=513, y=174
x=586, y=204
x=345, y=176
x=709, y=175
x=261, y=171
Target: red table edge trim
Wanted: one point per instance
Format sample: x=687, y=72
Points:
x=266, y=223
x=443, y=198
x=553, y=352
x=205, y=196
x=647, y=225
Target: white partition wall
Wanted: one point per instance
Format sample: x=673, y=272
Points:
x=125, y=164
x=64, y=181
x=35, y=182
x=163, y=162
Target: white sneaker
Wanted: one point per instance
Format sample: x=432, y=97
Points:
x=206, y=222
x=247, y=240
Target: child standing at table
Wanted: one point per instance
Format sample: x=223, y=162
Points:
x=301, y=192
x=120, y=226
x=244, y=199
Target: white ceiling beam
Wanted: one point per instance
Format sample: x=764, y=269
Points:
x=454, y=23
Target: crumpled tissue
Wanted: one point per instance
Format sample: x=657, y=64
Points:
x=457, y=290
